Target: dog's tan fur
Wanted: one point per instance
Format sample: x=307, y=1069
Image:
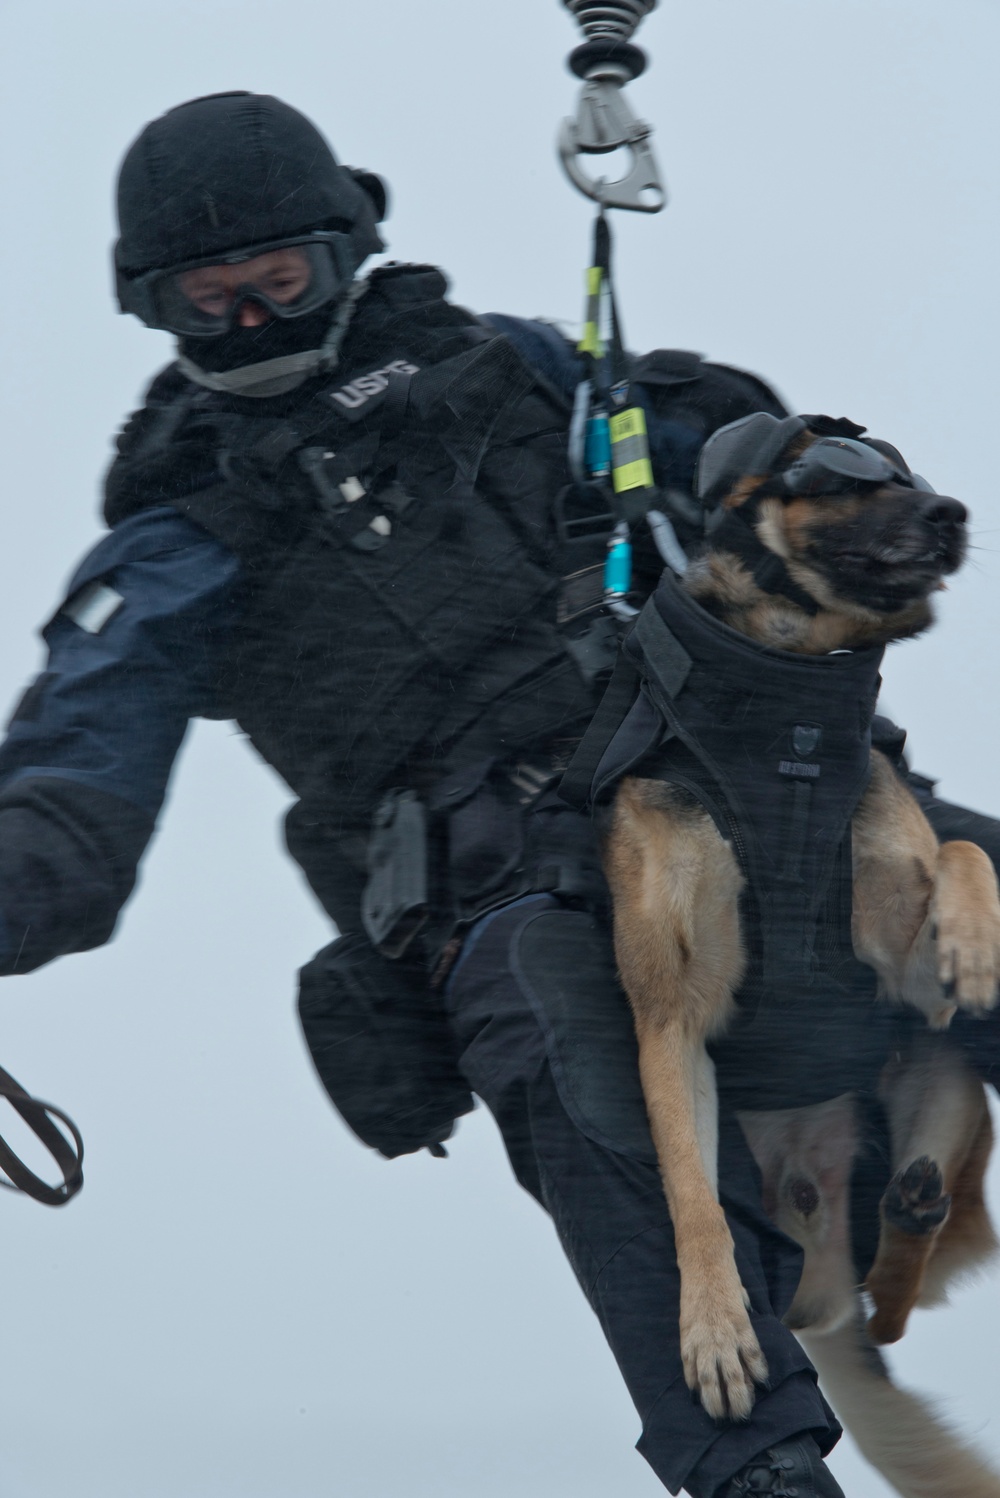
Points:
x=925, y=917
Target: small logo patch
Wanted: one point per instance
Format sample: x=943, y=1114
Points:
x=806, y=739
x=795, y=767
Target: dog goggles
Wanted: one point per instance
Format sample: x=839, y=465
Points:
x=201, y=298
x=836, y=463
x=843, y=465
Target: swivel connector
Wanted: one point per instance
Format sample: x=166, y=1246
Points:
x=608, y=25
x=615, y=18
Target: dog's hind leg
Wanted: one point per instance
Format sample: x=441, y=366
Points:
x=966, y=1240
x=896, y=1431
x=939, y=1125
x=927, y=918
x=675, y=886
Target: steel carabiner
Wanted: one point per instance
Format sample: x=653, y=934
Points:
x=604, y=123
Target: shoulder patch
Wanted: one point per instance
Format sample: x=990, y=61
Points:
x=92, y=607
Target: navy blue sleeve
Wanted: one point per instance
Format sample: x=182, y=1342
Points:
x=134, y=651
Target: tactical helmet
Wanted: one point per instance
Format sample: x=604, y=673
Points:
x=229, y=172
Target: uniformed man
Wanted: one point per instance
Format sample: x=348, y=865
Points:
x=343, y=518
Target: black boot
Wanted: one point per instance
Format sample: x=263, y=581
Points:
x=790, y=1469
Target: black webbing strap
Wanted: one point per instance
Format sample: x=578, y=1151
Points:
x=665, y=662
x=735, y=533
x=630, y=486
x=614, y=362
x=68, y=1156
x=395, y=405
x=576, y=784
x=390, y=421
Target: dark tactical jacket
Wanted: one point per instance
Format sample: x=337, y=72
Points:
x=378, y=596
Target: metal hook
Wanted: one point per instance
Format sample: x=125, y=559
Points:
x=605, y=123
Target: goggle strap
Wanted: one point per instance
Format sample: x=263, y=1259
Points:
x=735, y=532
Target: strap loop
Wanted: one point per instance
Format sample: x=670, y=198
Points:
x=67, y=1156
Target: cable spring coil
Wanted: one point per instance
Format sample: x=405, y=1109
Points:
x=609, y=19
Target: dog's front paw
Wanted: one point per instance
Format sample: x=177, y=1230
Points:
x=966, y=915
x=722, y=1357
x=969, y=960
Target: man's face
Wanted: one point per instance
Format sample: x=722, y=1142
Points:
x=283, y=275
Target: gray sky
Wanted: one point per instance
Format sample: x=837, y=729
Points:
x=244, y=1303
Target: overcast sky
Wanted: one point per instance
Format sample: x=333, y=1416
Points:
x=244, y=1303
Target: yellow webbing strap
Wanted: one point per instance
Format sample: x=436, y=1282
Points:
x=591, y=343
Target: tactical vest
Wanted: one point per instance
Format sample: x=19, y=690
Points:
x=396, y=528
x=776, y=747
x=425, y=589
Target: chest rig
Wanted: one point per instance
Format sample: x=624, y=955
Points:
x=395, y=524
x=775, y=746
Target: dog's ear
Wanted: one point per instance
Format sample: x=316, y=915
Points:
x=751, y=445
x=833, y=426
x=892, y=453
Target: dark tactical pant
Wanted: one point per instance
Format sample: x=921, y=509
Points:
x=547, y=1043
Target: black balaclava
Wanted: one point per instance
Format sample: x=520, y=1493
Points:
x=232, y=170
x=271, y=340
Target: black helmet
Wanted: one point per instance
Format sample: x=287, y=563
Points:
x=229, y=172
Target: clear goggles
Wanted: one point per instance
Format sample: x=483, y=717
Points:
x=202, y=298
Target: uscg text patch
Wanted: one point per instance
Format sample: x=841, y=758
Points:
x=356, y=399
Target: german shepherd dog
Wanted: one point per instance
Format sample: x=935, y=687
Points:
x=858, y=546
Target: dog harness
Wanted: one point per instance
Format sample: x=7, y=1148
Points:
x=775, y=746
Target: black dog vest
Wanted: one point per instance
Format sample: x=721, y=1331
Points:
x=776, y=747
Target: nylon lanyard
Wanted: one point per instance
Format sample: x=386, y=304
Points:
x=616, y=444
